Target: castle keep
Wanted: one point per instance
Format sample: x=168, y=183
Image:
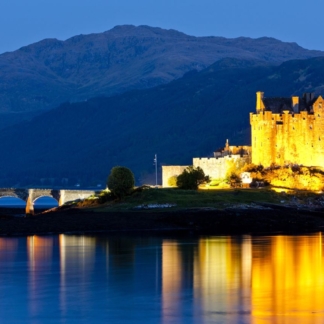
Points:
x=288, y=130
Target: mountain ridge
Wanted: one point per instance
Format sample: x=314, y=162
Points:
x=42, y=75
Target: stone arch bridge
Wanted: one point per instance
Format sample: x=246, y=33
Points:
x=31, y=195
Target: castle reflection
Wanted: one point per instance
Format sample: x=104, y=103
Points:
x=223, y=276
x=244, y=278
x=288, y=279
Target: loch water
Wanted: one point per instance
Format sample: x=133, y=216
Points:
x=162, y=279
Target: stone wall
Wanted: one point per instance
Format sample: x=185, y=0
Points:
x=169, y=171
x=70, y=195
x=217, y=168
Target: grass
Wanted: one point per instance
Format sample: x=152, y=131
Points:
x=191, y=198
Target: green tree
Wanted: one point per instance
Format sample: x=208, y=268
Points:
x=120, y=181
x=191, y=178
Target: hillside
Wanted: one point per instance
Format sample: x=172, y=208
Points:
x=189, y=117
x=43, y=75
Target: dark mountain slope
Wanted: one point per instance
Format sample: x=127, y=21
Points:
x=189, y=117
x=47, y=73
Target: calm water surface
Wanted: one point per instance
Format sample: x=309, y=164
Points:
x=111, y=279
x=41, y=202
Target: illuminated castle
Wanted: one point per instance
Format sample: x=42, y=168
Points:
x=283, y=130
x=288, y=131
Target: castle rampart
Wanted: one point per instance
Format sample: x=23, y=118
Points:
x=216, y=168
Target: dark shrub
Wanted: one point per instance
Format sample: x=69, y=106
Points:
x=120, y=181
x=191, y=178
x=235, y=181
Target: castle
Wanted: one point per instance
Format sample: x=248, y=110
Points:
x=288, y=130
x=283, y=131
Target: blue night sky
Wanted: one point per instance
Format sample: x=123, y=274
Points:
x=23, y=22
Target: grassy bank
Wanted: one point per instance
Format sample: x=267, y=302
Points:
x=180, y=199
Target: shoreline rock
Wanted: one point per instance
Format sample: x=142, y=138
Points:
x=237, y=220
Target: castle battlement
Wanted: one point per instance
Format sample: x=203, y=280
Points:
x=215, y=159
x=288, y=130
x=216, y=167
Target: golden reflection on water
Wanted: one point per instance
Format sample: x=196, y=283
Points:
x=39, y=250
x=288, y=280
x=276, y=279
x=76, y=252
x=172, y=274
x=40, y=257
x=223, y=276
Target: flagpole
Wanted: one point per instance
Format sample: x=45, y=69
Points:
x=155, y=160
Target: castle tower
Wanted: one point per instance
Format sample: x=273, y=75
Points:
x=288, y=130
x=259, y=102
x=227, y=146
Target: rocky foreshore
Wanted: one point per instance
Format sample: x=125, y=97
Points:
x=236, y=219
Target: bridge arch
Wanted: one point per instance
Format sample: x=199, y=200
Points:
x=44, y=196
x=34, y=194
x=45, y=202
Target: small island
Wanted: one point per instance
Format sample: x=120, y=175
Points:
x=157, y=210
